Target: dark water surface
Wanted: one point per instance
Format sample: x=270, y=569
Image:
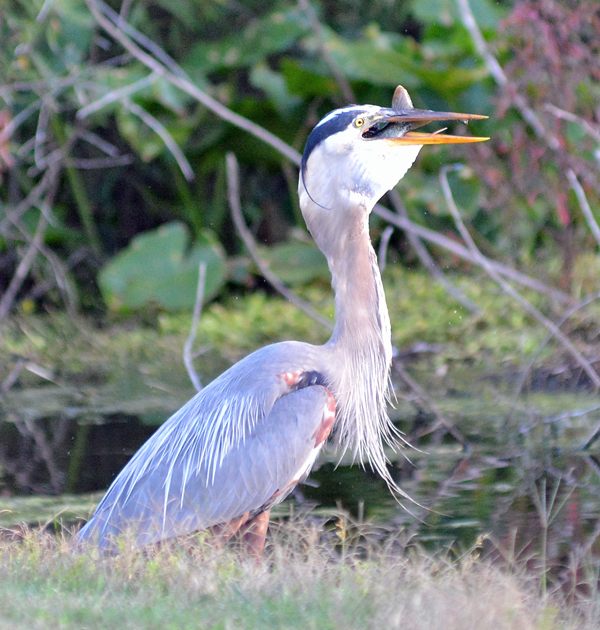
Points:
x=518, y=474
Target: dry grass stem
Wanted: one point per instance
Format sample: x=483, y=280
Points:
x=310, y=578
x=189, y=344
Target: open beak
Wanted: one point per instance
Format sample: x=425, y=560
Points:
x=415, y=118
x=395, y=125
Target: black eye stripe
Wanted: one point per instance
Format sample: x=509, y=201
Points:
x=335, y=124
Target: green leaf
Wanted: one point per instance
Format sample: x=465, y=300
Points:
x=305, y=83
x=274, y=33
x=155, y=269
x=296, y=262
x=487, y=13
x=273, y=84
x=377, y=58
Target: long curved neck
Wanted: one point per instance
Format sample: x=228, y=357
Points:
x=360, y=349
x=362, y=320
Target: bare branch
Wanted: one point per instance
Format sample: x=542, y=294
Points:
x=466, y=254
x=13, y=375
x=189, y=344
x=105, y=162
x=582, y=122
x=40, y=136
x=428, y=261
x=97, y=141
x=32, y=199
x=329, y=60
x=501, y=79
x=21, y=117
x=233, y=186
x=165, y=136
x=585, y=206
x=521, y=382
x=177, y=77
x=530, y=308
x=117, y=95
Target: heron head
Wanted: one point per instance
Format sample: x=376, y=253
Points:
x=364, y=150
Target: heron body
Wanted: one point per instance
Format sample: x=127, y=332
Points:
x=243, y=442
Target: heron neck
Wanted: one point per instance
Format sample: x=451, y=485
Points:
x=362, y=320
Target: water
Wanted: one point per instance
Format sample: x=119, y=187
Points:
x=516, y=475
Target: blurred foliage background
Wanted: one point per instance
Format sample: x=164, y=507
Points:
x=112, y=177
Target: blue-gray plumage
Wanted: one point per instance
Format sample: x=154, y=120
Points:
x=242, y=443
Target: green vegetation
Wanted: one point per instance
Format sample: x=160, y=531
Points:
x=109, y=132
x=420, y=311
x=115, y=119
x=306, y=580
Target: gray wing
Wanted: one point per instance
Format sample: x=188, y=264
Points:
x=175, y=484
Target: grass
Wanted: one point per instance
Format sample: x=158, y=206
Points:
x=305, y=581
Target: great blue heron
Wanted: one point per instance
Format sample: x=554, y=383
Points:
x=242, y=443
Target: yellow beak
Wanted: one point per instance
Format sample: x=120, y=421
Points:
x=419, y=117
x=414, y=137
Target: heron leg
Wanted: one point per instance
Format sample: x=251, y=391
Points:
x=254, y=533
x=223, y=532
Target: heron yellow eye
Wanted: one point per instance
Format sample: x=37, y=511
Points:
x=359, y=122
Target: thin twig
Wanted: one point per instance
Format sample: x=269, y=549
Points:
x=428, y=261
x=177, y=77
x=327, y=57
x=97, y=141
x=582, y=122
x=45, y=206
x=165, y=136
x=233, y=188
x=464, y=253
x=32, y=199
x=94, y=163
x=41, y=136
x=441, y=419
x=500, y=77
x=585, y=206
x=543, y=344
x=189, y=344
x=21, y=117
x=117, y=95
x=23, y=268
x=577, y=413
x=13, y=375
x=60, y=275
x=530, y=308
